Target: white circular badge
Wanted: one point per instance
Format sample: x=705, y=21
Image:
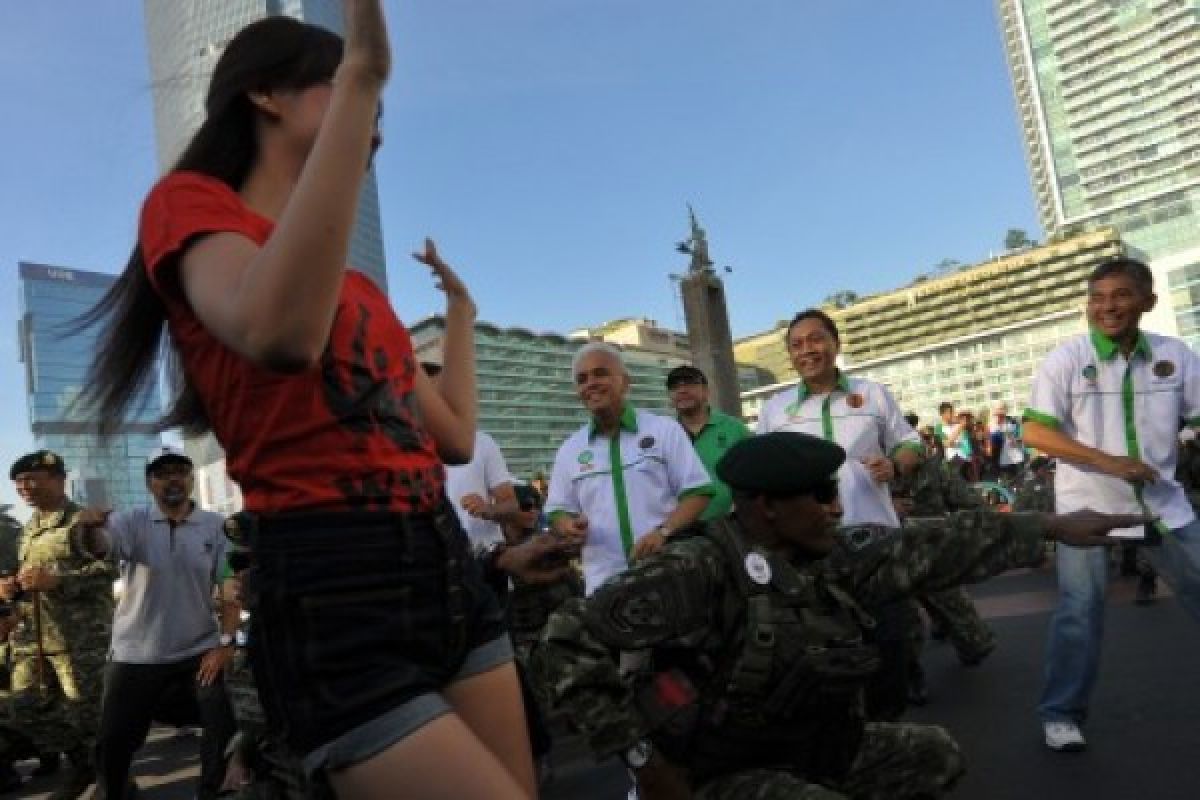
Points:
x=758, y=569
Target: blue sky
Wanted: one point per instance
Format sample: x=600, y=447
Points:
x=551, y=147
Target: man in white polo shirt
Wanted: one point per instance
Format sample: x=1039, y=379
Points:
x=481, y=490
x=857, y=414
x=169, y=652
x=625, y=481
x=1108, y=405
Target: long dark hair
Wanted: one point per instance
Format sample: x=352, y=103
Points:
x=271, y=54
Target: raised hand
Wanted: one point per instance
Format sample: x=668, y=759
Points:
x=368, y=54
x=447, y=280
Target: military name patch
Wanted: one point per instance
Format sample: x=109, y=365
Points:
x=1164, y=369
x=758, y=568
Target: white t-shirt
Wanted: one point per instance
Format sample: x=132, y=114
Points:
x=655, y=465
x=1088, y=390
x=865, y=420
x=1008, y=432
x=482, y=475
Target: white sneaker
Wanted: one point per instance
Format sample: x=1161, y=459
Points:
x=1064, y=737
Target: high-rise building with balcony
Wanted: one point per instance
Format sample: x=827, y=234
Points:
x=185, y=39
x=1108, y=107
x=102, y=472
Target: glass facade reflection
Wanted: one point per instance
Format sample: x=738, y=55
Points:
x=55, y=361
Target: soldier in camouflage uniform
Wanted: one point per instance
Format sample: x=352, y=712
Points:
x=932, y=492
x=1036, y=490
x=754, y=630
x=63, y=606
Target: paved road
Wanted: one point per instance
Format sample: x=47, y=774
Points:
x=1144, y=733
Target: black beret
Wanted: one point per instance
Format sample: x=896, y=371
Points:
x=685, y=373
x=43, y=460
x=780, y=463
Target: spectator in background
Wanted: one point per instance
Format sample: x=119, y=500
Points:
x=712, y=432
x=1007, y=448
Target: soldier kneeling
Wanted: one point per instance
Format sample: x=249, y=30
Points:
x=753, y=633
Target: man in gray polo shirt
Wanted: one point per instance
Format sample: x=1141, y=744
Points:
x=168, y=653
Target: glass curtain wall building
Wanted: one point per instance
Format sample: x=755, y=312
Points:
x=1106, y=95
x=102, y=473
x=185, y=39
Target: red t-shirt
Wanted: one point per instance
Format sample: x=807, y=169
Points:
x=342, y=435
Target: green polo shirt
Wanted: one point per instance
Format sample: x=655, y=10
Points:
x=720, y=433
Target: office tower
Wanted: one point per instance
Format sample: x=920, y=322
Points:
x=185, y=39
x=106, y=473
x=1105, y=92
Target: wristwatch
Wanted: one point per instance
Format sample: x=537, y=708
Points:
x=638, y=755
x=226, y=640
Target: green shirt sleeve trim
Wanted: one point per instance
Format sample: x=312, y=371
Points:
x=707, y=490
x=1041, y=418
x=1194, y=422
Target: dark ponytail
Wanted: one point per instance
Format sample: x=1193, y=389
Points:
x=273, y=53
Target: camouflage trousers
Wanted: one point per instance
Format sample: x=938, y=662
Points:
x=954, y=612
x=894, y=762
x=63, y=713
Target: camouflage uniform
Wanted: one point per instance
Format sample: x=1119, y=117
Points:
x=529, y=606
x=936, y=491
x=755, y=688
x=1035, y=494
x=76, y=624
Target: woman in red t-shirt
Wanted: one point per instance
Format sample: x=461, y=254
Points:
x=378, y=651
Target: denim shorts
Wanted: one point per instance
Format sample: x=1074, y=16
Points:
x=358, y=621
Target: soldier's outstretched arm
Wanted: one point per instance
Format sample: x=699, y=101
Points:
x=968, y=547
x=667, y=599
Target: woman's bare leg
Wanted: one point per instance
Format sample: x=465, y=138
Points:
x=491, y=706
x=441, y=760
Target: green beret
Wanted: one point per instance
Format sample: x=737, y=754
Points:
x=781, y=463
x=42, y=460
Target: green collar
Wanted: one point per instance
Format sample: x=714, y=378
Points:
x=1107, y=349
x=628, y=422
x=843, y=383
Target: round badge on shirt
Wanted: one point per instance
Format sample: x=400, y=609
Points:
x=758, y=569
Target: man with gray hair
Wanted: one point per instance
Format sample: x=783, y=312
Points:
x=625, y=481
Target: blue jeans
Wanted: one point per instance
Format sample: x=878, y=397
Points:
x=1077, y=627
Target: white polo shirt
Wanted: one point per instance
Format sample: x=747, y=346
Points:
x=1090, y=392
x=865, y=420
x=481, y=475
x=626, y=486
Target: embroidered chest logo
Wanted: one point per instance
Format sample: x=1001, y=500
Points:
x=1089, y=374
x=585, y=460
x=646, y=442
x=792, y=409
x=1164, y=369
x=855, y=400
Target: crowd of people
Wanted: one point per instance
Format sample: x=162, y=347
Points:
x=733, y=614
